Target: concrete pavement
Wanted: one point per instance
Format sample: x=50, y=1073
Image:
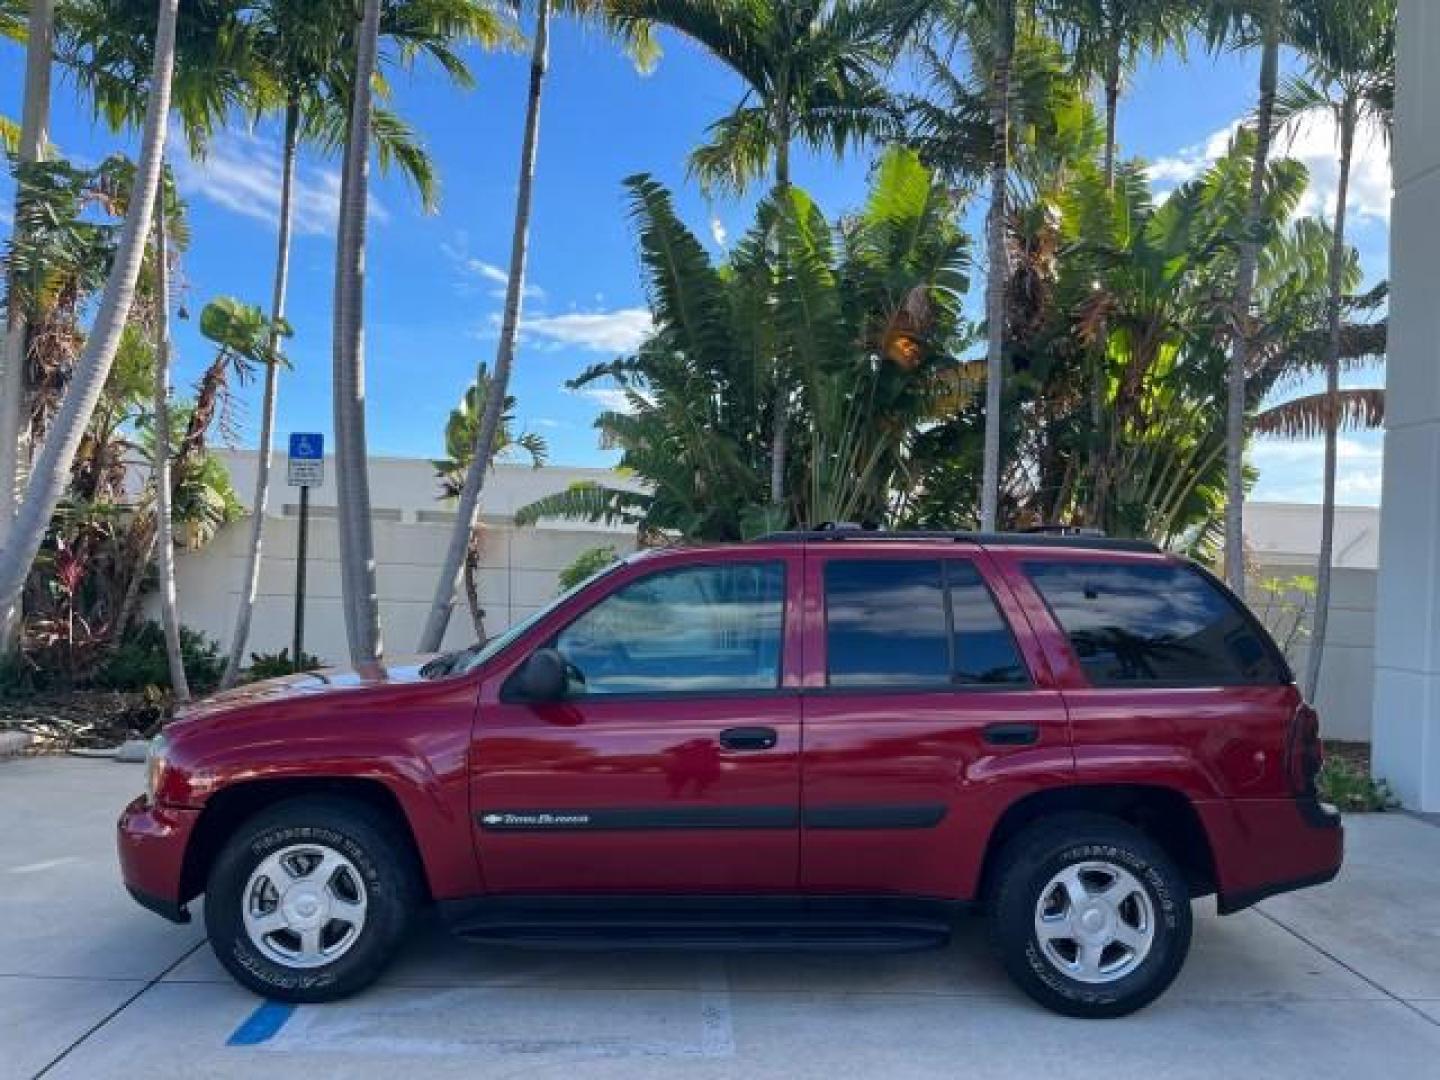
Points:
x=1341, y=981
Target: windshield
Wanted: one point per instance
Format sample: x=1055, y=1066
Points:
x=471, y=658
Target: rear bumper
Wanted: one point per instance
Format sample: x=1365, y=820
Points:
x=1263, y=847
x=151, y=840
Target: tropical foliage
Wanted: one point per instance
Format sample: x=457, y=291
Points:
x=82, y=595
x=866, y=316
x=827, y=367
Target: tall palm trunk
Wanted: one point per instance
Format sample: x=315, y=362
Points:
x=1332, y=402
x=251, y=581
x=451, y=570
x=1244, y=292
x=996, y=281
x=52, y=466
x=780, y=437
x=352, y=480
x=14, y=428
x=160, y=466
x=1112, y=109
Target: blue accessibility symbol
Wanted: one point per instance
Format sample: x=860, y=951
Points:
x=307, y=446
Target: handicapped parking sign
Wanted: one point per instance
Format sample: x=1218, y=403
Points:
x=307, y=459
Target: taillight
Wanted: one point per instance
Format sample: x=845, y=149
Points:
x=1303, y=753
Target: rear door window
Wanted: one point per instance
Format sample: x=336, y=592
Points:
x=913, y=623
x=1155, y=623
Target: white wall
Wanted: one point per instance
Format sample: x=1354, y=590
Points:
x=518, y=574
x=1346, y=676
x=1407, y=670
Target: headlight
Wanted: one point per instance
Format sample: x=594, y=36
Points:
x=155, y=762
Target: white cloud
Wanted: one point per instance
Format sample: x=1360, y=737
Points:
x=1313, y=141
x=495, y=278
x=717, y=230
x=609, y=399
x=1293, y=470
x=618, y=331
x=241, y=172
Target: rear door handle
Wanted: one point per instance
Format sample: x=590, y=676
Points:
x=1011, y=734
x=749, y=738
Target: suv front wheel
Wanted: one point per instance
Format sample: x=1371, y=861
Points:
x=1091, y=917
x=309, y=899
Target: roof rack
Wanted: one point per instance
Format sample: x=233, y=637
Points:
x=1059, y=536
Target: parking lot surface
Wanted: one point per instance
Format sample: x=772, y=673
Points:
x=1341, y=981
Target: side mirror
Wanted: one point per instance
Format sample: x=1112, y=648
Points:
x=542, y=677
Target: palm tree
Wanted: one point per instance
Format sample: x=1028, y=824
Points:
x=989, y=28
x=1107, y=38
x=462, y=433
x=30, y=148
x=105, y=42
x=164, y=524
x=52, y=466
x=1349, y=49
x=352, y=481
x=812, y=74
x=1243, y=23
x=301, y=49
x=636, y=33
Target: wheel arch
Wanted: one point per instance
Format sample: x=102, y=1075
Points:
x=1164, y=814
x=236, y=803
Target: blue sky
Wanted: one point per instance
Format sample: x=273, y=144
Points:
x=435, y=281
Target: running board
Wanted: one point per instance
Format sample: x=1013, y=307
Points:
x=754, y=926
x=774, y=938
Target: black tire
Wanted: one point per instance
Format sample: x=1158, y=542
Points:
x=361, y=835
x=1028, y=865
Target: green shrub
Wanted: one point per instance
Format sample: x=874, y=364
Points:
x=1352, y=788
x=138, y=662
x=275, y=664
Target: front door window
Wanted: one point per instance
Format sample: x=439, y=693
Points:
x=700, y=629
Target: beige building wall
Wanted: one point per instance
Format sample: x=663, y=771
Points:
x=519, y=567
x=1283, y=540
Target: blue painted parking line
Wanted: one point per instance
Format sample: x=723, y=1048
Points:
x=261, y=1025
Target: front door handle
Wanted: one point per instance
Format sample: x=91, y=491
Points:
x=749, y=738
x=1011, y=734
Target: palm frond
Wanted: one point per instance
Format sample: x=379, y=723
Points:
x=588, y=501
x=1310, y=416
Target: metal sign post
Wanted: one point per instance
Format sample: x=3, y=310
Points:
x=306, y=469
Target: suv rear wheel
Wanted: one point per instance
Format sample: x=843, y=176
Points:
x=309, y=899
x=1091, y=917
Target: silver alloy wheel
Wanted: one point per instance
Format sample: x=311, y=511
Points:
x=304, y=906
x=1095, y=922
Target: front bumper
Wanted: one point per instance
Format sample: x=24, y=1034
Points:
x=151, y=840
x=1263, y=847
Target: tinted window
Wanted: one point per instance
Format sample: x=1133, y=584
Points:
x=887, y=625
x=1150, y=622
x=985, y=652
x=696, y=629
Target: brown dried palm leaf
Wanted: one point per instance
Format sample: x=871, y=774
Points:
x=1309, y=416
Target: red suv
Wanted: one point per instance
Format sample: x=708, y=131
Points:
x=819, y=740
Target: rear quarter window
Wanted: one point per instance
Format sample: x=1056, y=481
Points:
x=1156, y=623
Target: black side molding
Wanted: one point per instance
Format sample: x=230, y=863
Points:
x=878, y=816
x=630, y=819
x=640, y=818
